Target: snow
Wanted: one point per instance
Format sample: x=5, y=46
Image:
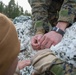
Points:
x=23, y=26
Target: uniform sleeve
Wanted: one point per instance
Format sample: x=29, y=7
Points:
x=68, y=11
x=39, y=15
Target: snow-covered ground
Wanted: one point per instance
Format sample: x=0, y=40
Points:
x=24, y=29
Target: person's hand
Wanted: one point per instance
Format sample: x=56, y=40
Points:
x=35, y=41
x=53, y=38
x=49, y=39
x=23, y=63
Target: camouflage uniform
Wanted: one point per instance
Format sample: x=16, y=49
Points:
x=45, y=62
x=48, y=12
x=61, y=68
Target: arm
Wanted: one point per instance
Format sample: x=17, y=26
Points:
x=67, y=12
x=39, y=15
x=21, y=65
x=40, y=22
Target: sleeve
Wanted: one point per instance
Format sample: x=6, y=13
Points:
x=67, y=12
x=39, y=15
x=66, y=50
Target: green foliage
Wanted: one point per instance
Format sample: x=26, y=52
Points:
x=26, y=13
x=1, y=7
x=12, y=10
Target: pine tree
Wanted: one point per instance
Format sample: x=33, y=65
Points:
x=1, y=7
x=11, y=8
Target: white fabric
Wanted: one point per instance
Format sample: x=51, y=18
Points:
x=66, y=49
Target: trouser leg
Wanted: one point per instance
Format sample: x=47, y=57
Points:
x=40, y=13
x=53, y=11
x=45, y=11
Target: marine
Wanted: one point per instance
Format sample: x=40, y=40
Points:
x=49, y=12
x=45, y=15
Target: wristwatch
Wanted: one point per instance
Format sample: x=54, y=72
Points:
x=58, y=30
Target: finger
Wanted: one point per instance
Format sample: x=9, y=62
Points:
x=23, y=63
x=36, y=48
x=49, y=44
x=39, y=37
x=44, y=43
x=34, y=42
x=54, y=43
x=42, y=39
x=27, y=62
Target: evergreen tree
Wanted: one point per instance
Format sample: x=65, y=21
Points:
x=6, y=10
x=27, y=14
x=11, y=8
x=21, y=10
x=16, y=10
x=1, y=7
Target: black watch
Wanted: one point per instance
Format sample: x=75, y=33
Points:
x=58, y=30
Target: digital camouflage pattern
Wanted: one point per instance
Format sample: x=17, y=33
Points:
x=60, y=68
x=45, y=62
x=48, y=12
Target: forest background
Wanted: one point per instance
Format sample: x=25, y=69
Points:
x=13, y=10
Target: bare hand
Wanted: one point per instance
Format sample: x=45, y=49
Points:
x=35, y=42
x=49, y=39
x=23, y=63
